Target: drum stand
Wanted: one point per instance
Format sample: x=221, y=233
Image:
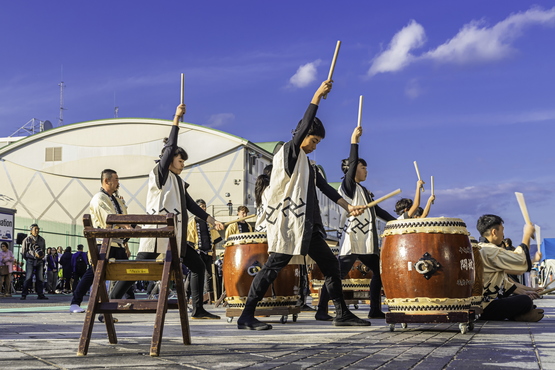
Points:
x=125, y=270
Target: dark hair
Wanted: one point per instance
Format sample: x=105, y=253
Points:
x=4, y=244
x=418, y=212
x=200, y=201
x=268, y=170
x=261, y=184
x=32, y=226
x=80, y=247
x=107, y=174
x=316, y=128
x=402, y=205
x=345, y=164
x=488, y=222
x=242, y=208
x=68, y=249
x=179, y=151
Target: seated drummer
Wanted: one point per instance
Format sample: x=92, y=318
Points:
x=498, y=263
x=241, y=226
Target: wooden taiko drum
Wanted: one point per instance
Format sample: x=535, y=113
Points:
x=427, y=265
x=244, y=256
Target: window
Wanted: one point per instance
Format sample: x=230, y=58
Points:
x=53, y=154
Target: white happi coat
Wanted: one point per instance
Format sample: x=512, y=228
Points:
x=286, y=207
x=497, y=260
x=162, y=201
x=356, y=233
x=100, y=207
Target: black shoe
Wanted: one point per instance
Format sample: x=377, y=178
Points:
x=252, y=324
x=376, y=315
x=350, y=319
x=101, y=318
x=42, y=297
x=204, y=315
x=23, y=297
x=323, y=316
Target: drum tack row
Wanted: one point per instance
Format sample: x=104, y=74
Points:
x=430, y=273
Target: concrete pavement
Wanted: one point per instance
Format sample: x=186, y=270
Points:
x=38, y=334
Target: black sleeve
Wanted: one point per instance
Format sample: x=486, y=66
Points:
x=326, y=188
x=527, y=254
x=195, y=209
x=293, y=147
x=383, y=214
x=163, y=167
x=349, y=185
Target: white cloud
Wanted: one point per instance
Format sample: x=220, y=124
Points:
x=398, y=56
x=305, y=74
x=477, y=43
x=474, y=43
x=220, y=119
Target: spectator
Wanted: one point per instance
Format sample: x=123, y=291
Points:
x=32, y=249
x=79, y=264
x=67, y=269
x=52, y=270
x=6, y=259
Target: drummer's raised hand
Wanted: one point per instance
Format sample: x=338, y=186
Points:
x=357, y=133
x=323, y=90
x=179, y=112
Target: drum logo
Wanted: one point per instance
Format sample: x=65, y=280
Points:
x=253, y=269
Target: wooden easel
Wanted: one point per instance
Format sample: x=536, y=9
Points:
x=124, y=270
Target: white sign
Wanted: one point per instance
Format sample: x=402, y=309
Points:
x=6, y=227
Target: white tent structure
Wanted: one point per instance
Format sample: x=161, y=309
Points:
x=51, y=176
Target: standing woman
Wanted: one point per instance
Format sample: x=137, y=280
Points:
x=67, y=269
x=168, y=191
x=359, y=236
x=6, y=259
x=52, y=270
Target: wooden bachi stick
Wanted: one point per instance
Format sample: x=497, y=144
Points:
x=332, y=67
x=239, y=220
x=360, y=102
x=379, y=200
x=418, y=173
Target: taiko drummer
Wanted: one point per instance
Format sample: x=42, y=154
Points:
x=294, y=224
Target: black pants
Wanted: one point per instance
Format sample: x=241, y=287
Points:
x=507, y=308
x=192, y=260
x=372, y=261
x=318, y=250
x=208, y=278
x=87, y=280
x=36, y=268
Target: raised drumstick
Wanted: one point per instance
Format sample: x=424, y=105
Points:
x=379, y=200
x=418, y=174
x=182, y=91
x=360, y=102
x=432, y=185
x=332, y=67
x=523, y=209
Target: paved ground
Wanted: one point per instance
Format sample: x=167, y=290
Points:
x=38, y=335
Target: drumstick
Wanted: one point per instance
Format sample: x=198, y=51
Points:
x=360, y=101
x=239, y=220
x=523, y=209
x=418, y=174
x=379, y=200
x=182, y=91
x=332, y=67
x=548, y=284
x=546, y=291
x=432, y=185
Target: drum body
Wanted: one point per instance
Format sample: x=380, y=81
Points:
x=244, y=256
x=478, y=287
x=427, y=265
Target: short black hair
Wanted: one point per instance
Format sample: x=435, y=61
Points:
x=80, y=247
x=107, y=174
x=345, y=164
x=33, y=226
x=402, y=205
x=4, y=244
x=316, y=128
x=488, y=222
x=179, y=151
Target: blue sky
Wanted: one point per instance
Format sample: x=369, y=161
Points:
x=466, y=88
